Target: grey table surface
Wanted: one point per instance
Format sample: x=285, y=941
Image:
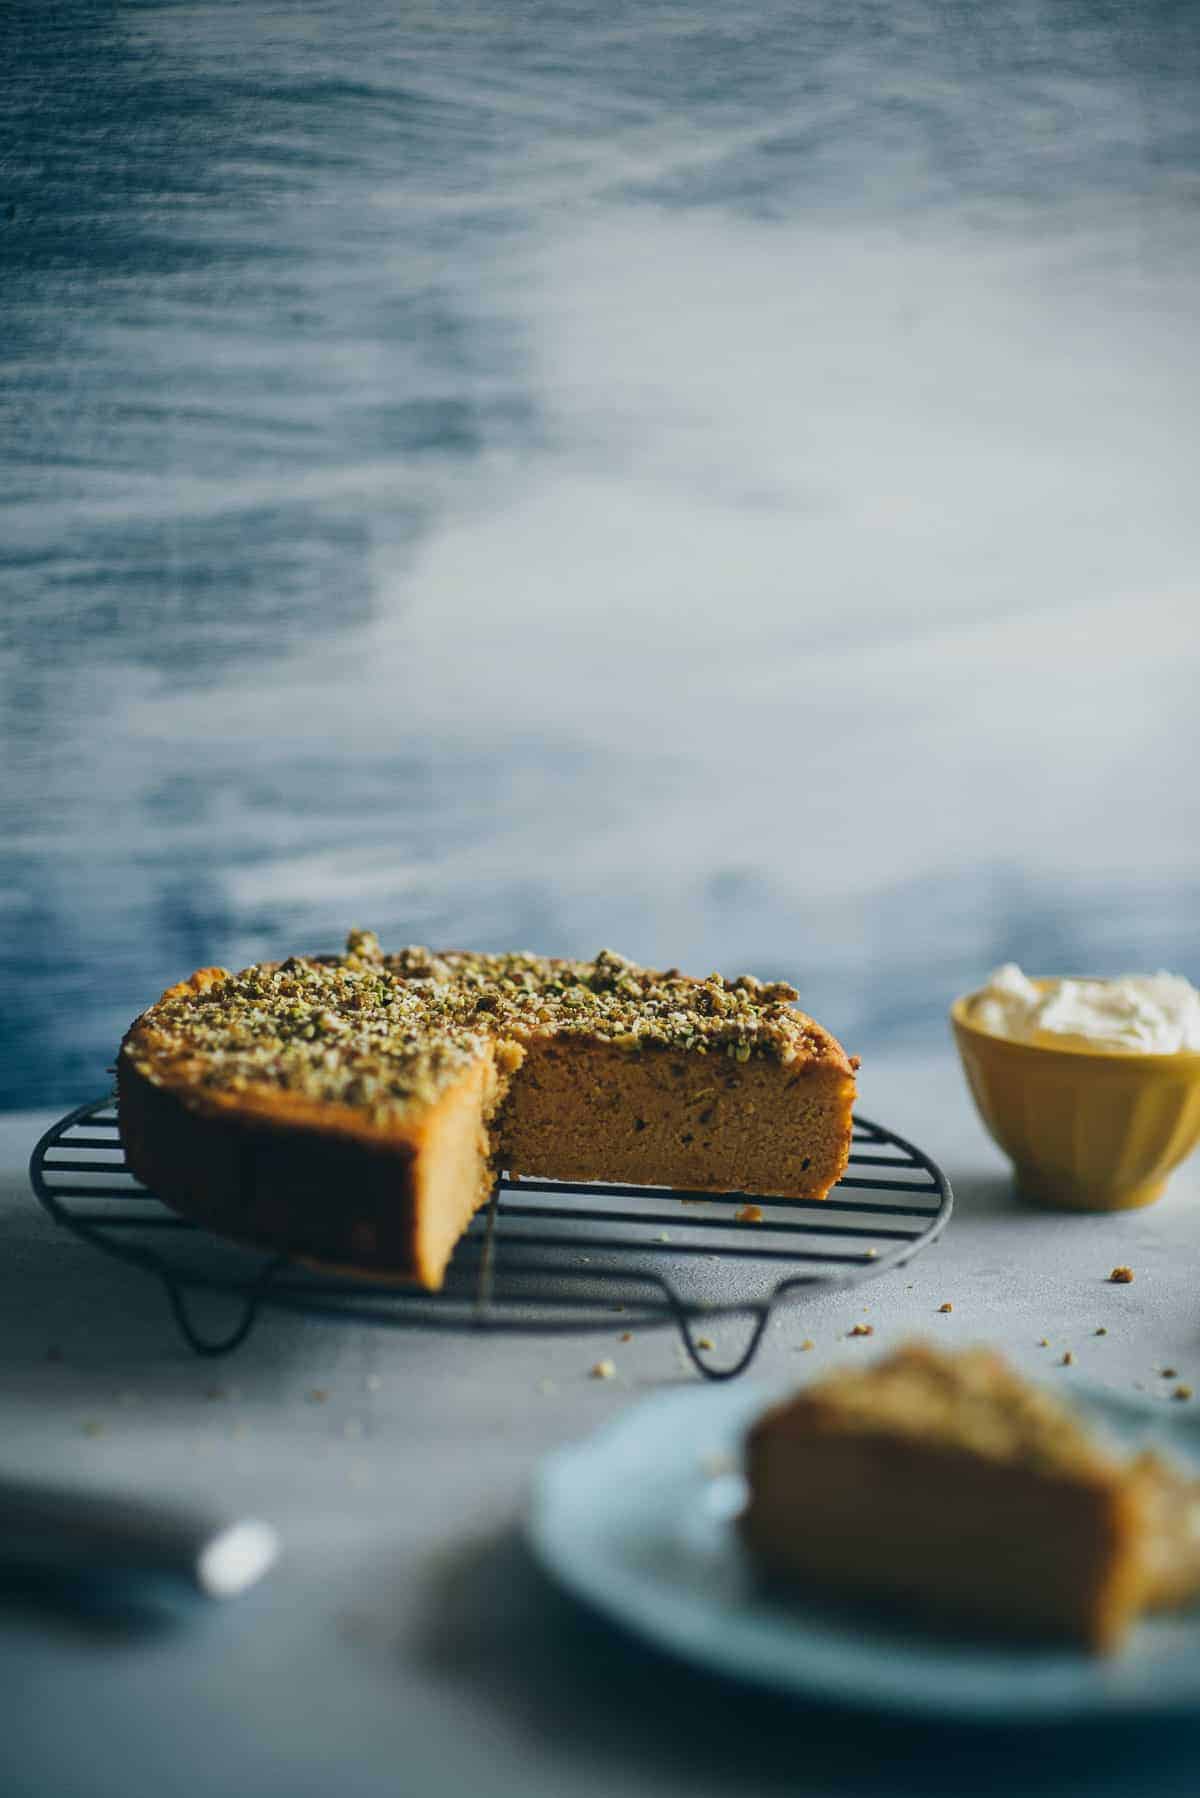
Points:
x=407, y=1642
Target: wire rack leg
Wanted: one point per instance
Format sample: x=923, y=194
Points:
x=212, y=1346
x=762, y=1314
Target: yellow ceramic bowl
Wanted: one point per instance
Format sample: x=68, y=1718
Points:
x=1086, y=1129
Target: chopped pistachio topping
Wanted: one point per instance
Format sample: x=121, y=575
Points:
x=374, y=1030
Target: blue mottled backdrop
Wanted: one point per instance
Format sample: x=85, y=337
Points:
x=714, y=481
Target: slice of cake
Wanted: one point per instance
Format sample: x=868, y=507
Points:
x=948, y=1485
x=354, y=1109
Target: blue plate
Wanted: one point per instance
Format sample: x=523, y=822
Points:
x=639, y=1522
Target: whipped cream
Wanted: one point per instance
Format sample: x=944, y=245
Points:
x=1137, y=1014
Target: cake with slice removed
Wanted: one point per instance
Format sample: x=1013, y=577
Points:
x=949, y=1486
x=354, y=1109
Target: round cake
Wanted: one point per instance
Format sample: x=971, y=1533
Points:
x=355, y=1109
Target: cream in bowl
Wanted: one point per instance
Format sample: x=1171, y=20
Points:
x=1136, y=1014
x=1091, y=1087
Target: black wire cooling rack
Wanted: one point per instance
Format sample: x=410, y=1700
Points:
x=544, y=1256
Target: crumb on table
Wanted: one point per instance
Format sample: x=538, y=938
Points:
x=1183, y=1392
x=862, y=1330
x=1121, y=1275
x=946, y=1307
x=750, y=1214
x=1068, y=1359
x=604, y=1370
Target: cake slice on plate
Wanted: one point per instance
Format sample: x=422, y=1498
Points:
x=948, y=1485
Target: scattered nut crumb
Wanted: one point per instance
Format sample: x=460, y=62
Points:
x=1183, y=1392
x=872, y=1254
x=705, y=1342
x=625, y=1336
x=1068, y=1359
x=1043, y=1342
x=1101, y=1331
x=663, y=1238
x=750, y=1214
x=1169, y=1373
x=946, y=1307
x=716, y=1465
x=604, y=1370
x=862, y=1330
x=317, y=1395
x=808, y=1343
x=1121, y=1275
